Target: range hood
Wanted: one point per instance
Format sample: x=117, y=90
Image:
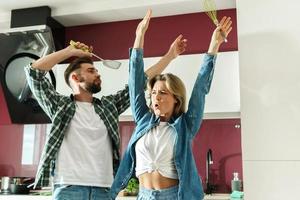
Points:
x=36, y=39
x=33, y=34
x=37, y=22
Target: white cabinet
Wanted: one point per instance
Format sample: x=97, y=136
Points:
x=222, y=101
x=277, y=179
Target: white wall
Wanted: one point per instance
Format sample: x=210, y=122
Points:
x=223, y=100
x=269, y=43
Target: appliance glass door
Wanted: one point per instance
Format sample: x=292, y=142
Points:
x=16, y=81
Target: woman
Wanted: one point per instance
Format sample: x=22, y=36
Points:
x=159, y=152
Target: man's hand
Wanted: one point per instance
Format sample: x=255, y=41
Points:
x=46, y=63
x=177, y=47
x=79, y=49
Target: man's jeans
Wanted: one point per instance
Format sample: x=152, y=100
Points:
x=77, y=192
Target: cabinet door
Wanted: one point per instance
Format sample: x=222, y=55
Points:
x=224, y=96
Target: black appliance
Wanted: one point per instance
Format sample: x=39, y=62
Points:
x=33, y=34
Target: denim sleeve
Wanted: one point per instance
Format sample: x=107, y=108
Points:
x=202, y=85
x=42, y=89
x=136, y=84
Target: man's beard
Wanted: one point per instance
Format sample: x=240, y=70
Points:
x=93, y=88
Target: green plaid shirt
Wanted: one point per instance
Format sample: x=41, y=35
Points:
x=61, y=110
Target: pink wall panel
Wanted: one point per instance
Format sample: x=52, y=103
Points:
x=219, y=135
x=224, y=139
x=11, y=139
x=4, y=115
x=126, y=130
x=112, y=40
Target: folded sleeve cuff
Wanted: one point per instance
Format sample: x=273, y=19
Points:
x=136, y=53
x=34, y=72
x=209, y=57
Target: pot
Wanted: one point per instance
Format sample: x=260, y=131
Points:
x=22, y=180
x=19, y=189
x=19, y=185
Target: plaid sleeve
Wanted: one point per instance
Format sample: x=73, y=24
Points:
x=121, y=99
x=42, y=89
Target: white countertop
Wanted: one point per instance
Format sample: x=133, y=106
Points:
x=39, y=197
x=217, y=197
x=24, y=197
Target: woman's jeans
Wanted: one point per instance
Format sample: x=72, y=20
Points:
x=77, y=192
x=162, y=194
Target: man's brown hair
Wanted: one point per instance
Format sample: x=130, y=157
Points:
x=74, y=65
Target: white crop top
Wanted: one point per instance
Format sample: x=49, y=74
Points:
x=155, y=151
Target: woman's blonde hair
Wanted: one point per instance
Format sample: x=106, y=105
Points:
x=176, y=88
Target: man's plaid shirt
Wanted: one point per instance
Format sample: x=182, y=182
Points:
x=61, y=110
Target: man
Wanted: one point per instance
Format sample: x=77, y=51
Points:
x=82, y=150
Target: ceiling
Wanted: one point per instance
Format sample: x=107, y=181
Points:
x=75, y=12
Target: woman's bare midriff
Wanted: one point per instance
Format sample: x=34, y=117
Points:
x=156, y=181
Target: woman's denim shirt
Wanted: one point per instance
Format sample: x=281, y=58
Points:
x=186, y=126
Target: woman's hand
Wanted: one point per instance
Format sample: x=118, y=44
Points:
x=223, y=29
x=220, y=33
x=141, y=30
x=143, y=25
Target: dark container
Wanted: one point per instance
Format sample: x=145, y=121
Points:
x=19, y=189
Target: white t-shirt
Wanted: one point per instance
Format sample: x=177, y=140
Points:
x=85, y=156
x=155, y=152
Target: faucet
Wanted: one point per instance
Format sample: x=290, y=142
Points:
x=209, y=161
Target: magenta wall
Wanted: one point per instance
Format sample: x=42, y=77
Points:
x=4, y=115
x=222, y=137
x=11, y=138
x=219, y=135
x=112, y=40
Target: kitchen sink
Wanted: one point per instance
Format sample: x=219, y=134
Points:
x=217, y=196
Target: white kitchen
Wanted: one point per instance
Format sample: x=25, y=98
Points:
x=250, y=116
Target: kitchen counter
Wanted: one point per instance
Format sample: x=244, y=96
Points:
x=217, y=197
x=39, y=197
x=24, y=197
